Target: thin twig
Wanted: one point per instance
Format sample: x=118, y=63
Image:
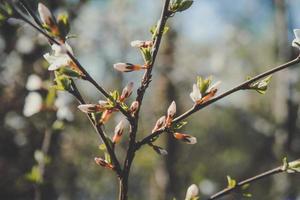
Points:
x=241, y=86
x=228, y=190
x=75, y=92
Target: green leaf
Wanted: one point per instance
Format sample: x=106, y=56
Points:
x=231, y=183
x=179, y=125
x=102, y=147
x=184, y=5
x=203, y=84
x=50, y=98
x=69, y=72
x=146, y=52
x=247, y=195
x=293, y=167
x=34, y=175
x=63, y=25
x=58, y=125
x=261, y=86
x=107, y=157
x=62, y=82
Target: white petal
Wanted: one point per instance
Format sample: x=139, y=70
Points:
x=45, y=13
x=215, y=85
x=121, y=67
x=33, y=104
x=34, y=82
x=195, y=94
x=192, y=140
x=192, y=192
x=137, y=43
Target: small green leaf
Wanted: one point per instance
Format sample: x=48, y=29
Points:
x=261, y=86
x=184, y=5
x=247, y=195
x=63, y=25
x=231, y=182
x=102, y=147
x=69, y=72
x=203, y=84
x=62, y=82
x=58, y=125
x=179, y=125
x=34, y=175
x=293, y=167
x=107, y=157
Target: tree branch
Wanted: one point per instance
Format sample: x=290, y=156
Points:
x=266, y=174
x=239, y=87
x=87, y=76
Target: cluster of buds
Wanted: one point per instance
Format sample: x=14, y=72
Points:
x=203, y=91
x=185, y=138
x=261, y=86
x=145, y=48
x=128, y=67
x=103, y=163
x=119, y=130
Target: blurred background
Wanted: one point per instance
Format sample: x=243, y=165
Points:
x=47, y=152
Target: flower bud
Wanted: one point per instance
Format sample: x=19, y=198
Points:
x=91, y=108
x=127, y=91
x=172, y=110
x=141, y=44
x=159, y=124
x=213, y=87
x=106, y=116
x=103, y=163
x=118, y=132
x=159, y=150
x=185, y=138
x=102, y=103
x=128, y=67
x=134, y=107
x=192, y=192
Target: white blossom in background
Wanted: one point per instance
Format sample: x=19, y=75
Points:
x=34, y=82
x=192, y=192
x=62, y=103
x=33, y=104
x=296, y=41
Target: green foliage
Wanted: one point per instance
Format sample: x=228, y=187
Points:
x=291, y=167
x=203, y=84
x=62, y=81
x=178, y=125
x=261, y=86
x=63, y=25
x=154, y=30
x=180, y=5
x=6, y=11
x=69, y=72
x=231, y=183
x=34, y=175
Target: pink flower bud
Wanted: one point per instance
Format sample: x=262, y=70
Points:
x=127, y=91
x=128, y=67
x=134, y=107
x=185, y=138
x=103, y=163
x=172, y=110
x=118, y=132
x=160, y=150
x=159, y=124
